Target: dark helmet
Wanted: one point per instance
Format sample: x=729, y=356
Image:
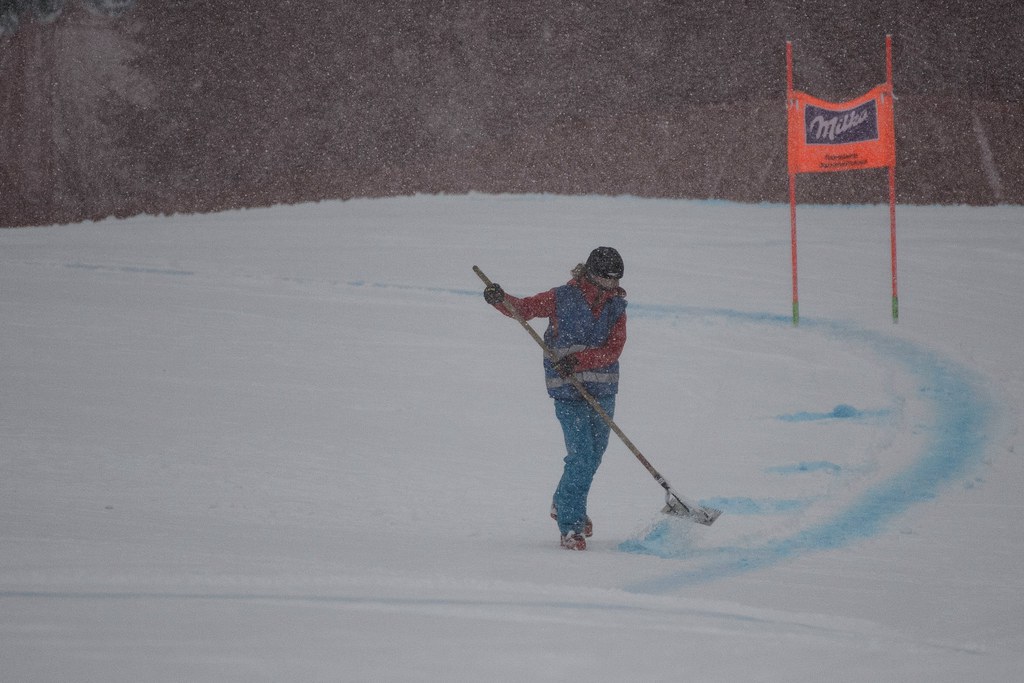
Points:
x=605, y=262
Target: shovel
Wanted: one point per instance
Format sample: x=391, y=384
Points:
x=674, y=503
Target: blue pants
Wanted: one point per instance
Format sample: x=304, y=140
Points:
x=586, y=438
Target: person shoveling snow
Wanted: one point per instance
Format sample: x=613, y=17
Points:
x=582, y=344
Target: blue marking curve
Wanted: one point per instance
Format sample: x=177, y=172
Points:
x=957, y=442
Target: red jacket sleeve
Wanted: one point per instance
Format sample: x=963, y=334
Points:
x=538, y=306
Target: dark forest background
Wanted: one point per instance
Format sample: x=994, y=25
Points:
x=184, y=106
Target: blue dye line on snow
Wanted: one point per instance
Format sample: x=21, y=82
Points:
x=742, y=505
x=130, y=269
x=962, y=415
x=417, y=288
x=656, y=311
x=805, y=467
x=840, y=412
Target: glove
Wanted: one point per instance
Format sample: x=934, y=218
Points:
x=494, y=294
x=566, y=365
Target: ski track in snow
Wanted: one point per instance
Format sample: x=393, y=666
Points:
x=598, y=608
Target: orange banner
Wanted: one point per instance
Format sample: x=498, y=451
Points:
x=841, y=136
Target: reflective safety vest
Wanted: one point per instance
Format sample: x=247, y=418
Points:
x=574, y=328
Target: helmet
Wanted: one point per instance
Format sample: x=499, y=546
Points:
x=605, y=262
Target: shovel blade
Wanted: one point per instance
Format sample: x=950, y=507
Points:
x=677, y=507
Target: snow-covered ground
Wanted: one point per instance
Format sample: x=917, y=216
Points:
x=295, y=444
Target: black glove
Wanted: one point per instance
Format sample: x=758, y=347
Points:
x=494, y=294
x=566, y=365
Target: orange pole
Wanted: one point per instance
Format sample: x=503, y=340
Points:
x=792, y=190
x=789, y=67
x=892, y=191
x=792, y=240
x=892, y=242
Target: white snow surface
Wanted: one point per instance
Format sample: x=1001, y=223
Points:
x=294, y=444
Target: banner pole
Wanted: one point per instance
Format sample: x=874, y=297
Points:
x=892, y=190
x=892, y=243
x=792, y=189
x=792, y=240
